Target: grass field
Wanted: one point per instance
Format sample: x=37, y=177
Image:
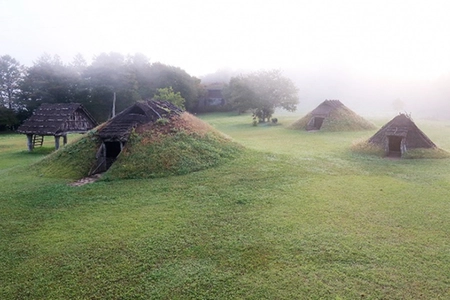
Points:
x=296, y=216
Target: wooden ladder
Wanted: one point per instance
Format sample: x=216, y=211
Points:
x=38, y=140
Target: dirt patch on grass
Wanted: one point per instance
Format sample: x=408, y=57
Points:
x=86, y=180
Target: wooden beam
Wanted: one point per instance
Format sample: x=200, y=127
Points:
x=30, y=142
x=57, y=142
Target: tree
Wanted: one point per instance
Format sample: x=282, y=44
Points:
x=239, y=94
x=262, y=91
x=78, y=64
x=139, y=65
x=11, y=75
x=167, y=94
x=8, y=119
x=109, y=75
x=49, y=81
x=80, y=87
x=163, y=76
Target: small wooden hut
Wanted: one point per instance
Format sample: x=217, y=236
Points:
x=56, y=119
x=399, y=135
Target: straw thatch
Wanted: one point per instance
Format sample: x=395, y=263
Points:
x=332, y=115
x=58, y=119
x=400, y=135
x=119, y=128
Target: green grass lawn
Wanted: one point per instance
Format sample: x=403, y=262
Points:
x=296, y=216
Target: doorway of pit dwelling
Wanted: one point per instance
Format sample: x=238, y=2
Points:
x=318, y=122
x=394, y=145
x=106, y=155
x=112, y=150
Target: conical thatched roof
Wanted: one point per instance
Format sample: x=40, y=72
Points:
x=326, y=107
x=402, y=134
x=332, y=115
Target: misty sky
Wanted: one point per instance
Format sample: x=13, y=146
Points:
x=367, y=53
x=406, y=39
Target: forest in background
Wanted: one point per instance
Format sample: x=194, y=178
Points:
x=129, y=78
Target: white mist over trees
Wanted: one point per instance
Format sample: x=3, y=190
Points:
x=129, y=78
x=133, y=77
x=262, y=92
x=358, y=51
x=367, y=94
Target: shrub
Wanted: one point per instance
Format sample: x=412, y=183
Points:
x=364, y=147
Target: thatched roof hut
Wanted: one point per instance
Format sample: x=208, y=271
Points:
x=332, y=115
x=56, y=119
x=400, y=135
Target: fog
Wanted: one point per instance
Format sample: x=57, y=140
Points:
x=369, y=95
x=364, y=93
x=368, y=54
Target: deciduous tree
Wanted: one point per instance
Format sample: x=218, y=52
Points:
x=8, y=119
x=167, y=94
x=49, y=81
x=262, y=91
x=239, y=94
x=109, y=74
x=11, y=75
x=163, y=76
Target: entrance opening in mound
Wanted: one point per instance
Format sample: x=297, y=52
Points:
x=106, y=155
x=315, y=123
x=318, y=122
x=394, y=145
x=112, y=150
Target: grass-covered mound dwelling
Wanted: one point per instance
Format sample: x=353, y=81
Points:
x=174, y=146
x=332, y=115
x=148, y=139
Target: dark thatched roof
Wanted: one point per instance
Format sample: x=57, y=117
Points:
x=120, y=127
x=58, y=119
x=326, y=107
x=403, y=126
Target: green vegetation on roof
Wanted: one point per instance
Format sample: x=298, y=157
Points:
x=176, y=153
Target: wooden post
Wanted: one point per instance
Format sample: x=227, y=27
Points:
x=57, y=142
x=113, y=113
x=30, y=142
